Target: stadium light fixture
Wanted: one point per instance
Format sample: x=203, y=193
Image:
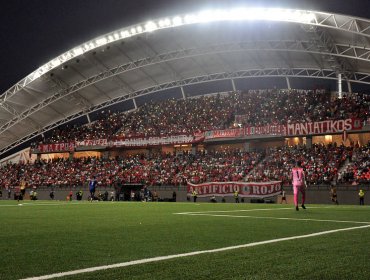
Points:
x=205, y=16
x=78, y=51
x=177, y=21
x=150, y=26
x=139, y=29
x=125, y=33
x=101, y=41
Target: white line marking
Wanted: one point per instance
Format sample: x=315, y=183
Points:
x=38, y=204
x=250, y=210
x=274, y=218
x=156, y=259
x=58, y=204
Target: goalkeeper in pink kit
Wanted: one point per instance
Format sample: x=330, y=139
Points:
x=299, y=184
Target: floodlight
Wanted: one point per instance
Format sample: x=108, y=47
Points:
x=78, y=51
x=167, y=22
x=161, y=23
x=125, y=33
x=189, y=19
x=55, y=62
x=36, y=75
x=231, y=14
x=101, y=41
x=176, y=21
x=139, y=29
x=150, y=26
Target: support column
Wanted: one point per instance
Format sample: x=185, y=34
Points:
x=287, y=82
x=183, y=93
x=71, y=155
x=193, y=150
x=349, y=86
x=233, y=84
x=309, y=142
x=340, y=94
x=134, y=100
x=106, y=155
x=88, y=118
x=247, y=147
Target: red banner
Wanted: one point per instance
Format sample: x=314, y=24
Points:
x=265, y=189
x=323, y=127
x=57, y=147
x=295, y=129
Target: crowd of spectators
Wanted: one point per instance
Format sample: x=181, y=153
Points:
x=108, y=124
x=166, y=169
x=220, y=111
x=321, y=163
x=358, y=169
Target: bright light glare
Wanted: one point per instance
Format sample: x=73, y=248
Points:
x=139, y=29
x=233, y=14
x=150, y=26
x=55, y=62
x=251, y=14
x=177, y=21
x=189, y=19
x=78, y=51
x=101, y=41
x=125, y=34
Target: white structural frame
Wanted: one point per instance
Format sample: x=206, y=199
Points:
x=292, y=46
x=354, y=25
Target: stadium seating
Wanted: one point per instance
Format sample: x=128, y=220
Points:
x=321, y=163
x=255, y=108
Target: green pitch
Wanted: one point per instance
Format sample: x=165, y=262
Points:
x=43, y=238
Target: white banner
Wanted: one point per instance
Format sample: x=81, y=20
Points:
x=154, y=141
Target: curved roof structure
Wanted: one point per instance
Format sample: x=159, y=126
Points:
x=180, y=51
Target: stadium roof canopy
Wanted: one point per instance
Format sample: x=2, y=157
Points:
x=181, y=51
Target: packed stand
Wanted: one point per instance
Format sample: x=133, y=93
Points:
x=220, y=111
x=321, y=163
x=156, y=170
x=357, y=170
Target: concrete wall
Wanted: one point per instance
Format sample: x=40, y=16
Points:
x=315, y=195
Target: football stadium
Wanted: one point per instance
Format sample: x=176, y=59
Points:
x=227, y=143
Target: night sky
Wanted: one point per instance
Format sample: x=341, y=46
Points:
x=32, y=32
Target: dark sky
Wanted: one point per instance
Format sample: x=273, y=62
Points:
x=32, y=32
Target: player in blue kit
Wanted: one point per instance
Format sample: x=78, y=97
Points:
x=92, y=186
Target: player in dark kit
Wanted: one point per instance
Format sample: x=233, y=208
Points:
x=92, y=188
x=333, y=194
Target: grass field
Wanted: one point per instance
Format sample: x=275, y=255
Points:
x=43, y=238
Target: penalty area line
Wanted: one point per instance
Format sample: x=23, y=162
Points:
x=162, y=258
